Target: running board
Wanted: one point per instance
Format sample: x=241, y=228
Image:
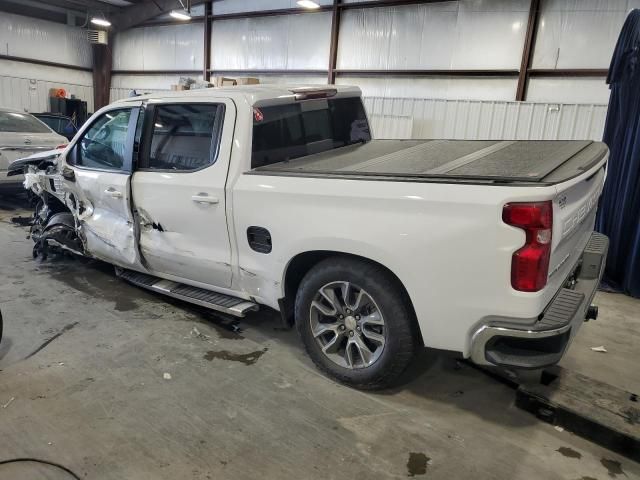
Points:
x=235, y=306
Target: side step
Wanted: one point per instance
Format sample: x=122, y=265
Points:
x=237, y=307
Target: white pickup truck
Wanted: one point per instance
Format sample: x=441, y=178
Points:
x=277, y=196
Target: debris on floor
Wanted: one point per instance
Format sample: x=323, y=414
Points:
x=599, y=349
x=196, y=333
x=9, y=402
x=166, y=376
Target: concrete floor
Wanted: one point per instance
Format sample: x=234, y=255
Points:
x=250, y=404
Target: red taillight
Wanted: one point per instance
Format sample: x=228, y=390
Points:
x=530, y=264
x=60, y=147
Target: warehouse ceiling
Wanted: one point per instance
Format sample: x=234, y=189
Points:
x=125, y=13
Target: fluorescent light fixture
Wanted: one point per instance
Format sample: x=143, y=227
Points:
x=308, y=4
x=180, y=14
x=103, y=22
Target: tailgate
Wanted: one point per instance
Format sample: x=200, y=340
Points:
x=574, y=213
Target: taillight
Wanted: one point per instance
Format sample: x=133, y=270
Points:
x=530, y=264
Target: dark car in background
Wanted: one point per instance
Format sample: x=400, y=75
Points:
x=61, y=124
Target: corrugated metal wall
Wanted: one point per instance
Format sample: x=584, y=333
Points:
x=25, y=86
x=468, y=119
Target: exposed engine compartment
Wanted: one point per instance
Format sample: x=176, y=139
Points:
x=54, y=226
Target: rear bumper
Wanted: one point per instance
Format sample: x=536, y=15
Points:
x=544, y=342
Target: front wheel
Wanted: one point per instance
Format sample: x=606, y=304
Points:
x=356, y=322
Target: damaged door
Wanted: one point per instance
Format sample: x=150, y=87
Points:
x=179, y=190
x=99, y=187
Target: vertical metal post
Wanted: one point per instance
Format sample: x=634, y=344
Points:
x=101, y=75
x=333, y=49
x=206, y=64
x=527, y=51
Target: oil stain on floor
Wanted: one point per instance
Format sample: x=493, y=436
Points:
x=614, y=468
x=417, y=464
x=569, y=452
x=246, y=358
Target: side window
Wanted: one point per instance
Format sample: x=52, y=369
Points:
x=185, y=136
x=103, y=144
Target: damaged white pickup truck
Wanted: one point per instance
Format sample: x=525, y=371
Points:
x=271, y=195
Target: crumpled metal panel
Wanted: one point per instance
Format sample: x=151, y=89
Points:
x=579, y=33
x=424, y=118
x=469, y=34
x=41, y=40
x=222, y=7
x=279, y=42
x=167, y=47
x=26, y=86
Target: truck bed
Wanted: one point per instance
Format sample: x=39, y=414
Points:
x=478, y=161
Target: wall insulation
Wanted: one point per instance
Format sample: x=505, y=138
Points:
x=272, y=43
x=41, y=40
x=224, y=7
x=169, y=47
x=448, y=35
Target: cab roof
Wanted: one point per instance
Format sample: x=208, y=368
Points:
x=252, y=94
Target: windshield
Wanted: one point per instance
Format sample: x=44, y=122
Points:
x=285, y=132
x=21, y=122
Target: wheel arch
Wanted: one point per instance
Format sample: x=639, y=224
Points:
x=301, y=263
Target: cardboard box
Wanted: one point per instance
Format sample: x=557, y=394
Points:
x=247, y=81
x=221, y=81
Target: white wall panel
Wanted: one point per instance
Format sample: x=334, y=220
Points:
x=579, y=90
x=168, y=47
x=26, y=86
x=579, y=33
x=41, y=40
x=223, y=7
x=435, y=87
x=469, y=34
x=122, y=85
x=295, y=42
x=468, y=119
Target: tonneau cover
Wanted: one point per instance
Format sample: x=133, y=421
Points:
x=531, y=161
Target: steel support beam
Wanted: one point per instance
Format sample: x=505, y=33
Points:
x=101, y=75
x=333, y=47
x=527, y=51
x=206, y=61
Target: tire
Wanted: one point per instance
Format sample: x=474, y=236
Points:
x=383, y=319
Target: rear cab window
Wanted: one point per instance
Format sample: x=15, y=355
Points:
x=288, y=131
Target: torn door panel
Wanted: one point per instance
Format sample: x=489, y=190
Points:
x=82, y=209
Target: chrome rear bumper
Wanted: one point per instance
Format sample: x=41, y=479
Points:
x=544, y=343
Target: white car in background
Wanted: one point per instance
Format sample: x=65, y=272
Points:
x=21, y=135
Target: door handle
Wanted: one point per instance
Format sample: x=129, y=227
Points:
x=203, y=198
x=113, y=192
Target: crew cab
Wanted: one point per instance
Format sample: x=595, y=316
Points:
x=277, y=196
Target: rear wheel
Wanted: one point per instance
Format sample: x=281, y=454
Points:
x=355, y=322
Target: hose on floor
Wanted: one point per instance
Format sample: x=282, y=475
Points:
x=44, y=462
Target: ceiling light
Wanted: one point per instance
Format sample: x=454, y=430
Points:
x=103, y=22
x=308, y=4
x=180, y=14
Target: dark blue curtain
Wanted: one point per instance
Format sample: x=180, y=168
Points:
x=619, y=213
